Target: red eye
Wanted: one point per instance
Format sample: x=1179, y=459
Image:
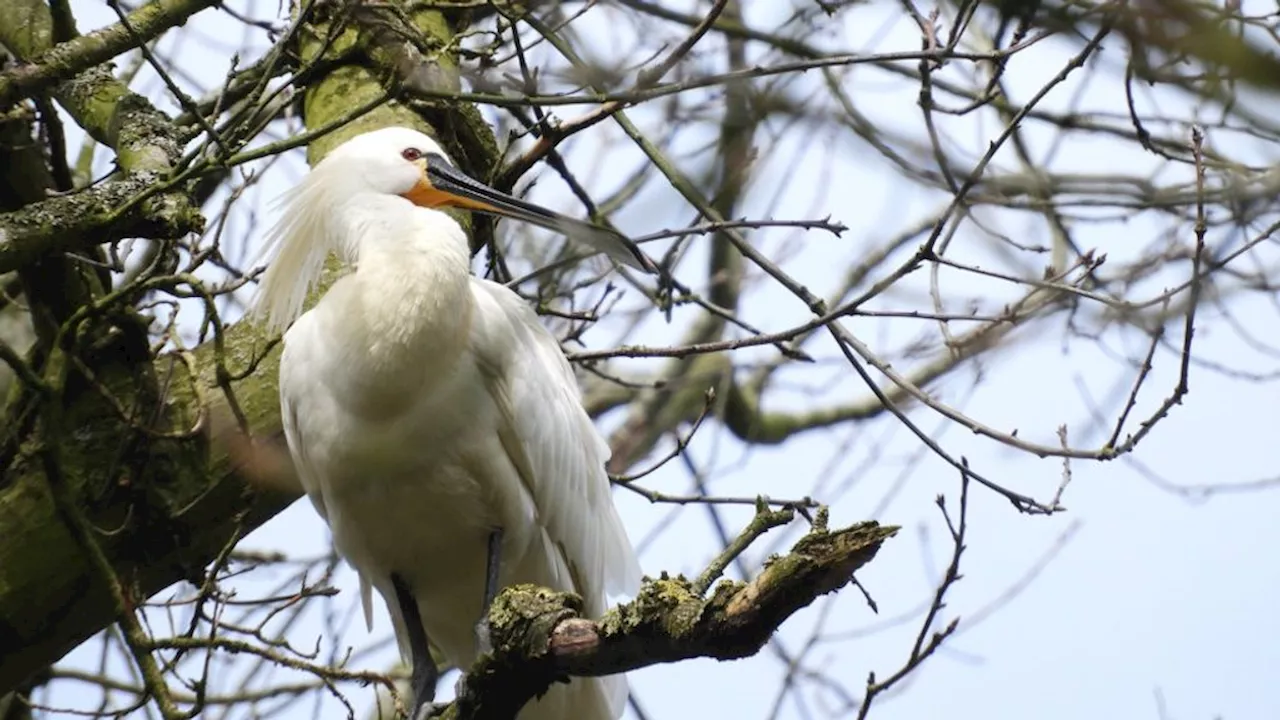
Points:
x=411, y=154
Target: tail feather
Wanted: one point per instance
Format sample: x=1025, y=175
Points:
x=602, y=698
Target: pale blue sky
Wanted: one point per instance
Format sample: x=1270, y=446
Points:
x=1152, y=594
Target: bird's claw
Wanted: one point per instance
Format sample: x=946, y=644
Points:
x=430, y=710
x=460, y=687
x=484, y=645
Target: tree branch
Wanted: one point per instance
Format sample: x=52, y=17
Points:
x=146, y=141
x=94, y=217
x=143, y=137
x=65, y=60
x=540, y=638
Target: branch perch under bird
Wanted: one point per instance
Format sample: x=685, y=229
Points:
x=540, y=638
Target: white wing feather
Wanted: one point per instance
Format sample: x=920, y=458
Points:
x=534, y=386
x=561, y=458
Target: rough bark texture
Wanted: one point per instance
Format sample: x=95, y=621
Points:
x=75, y=56
x=539, y=637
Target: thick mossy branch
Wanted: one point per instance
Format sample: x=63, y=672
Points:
x=93, y=217
x=70, y=58
x=143, y=137
x=540, y=638
x=146, y=141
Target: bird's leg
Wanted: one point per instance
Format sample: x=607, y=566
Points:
x=425, y=672
x=493, y=560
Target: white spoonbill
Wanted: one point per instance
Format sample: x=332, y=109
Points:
x=433, y=421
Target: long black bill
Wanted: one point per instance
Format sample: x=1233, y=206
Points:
x=477, y=196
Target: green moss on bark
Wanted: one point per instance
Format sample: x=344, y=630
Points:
x=539, y=637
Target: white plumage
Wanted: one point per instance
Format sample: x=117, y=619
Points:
x=426, y=408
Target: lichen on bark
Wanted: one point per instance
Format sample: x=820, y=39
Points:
x=539, y=636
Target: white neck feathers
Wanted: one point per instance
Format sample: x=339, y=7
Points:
x=332, y=211
x=297, y=245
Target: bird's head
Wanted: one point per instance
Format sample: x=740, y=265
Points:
x=394, y=161
x=407, y=163
x=390, y=161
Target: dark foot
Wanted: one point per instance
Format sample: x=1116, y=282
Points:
x=425, y=672
x=460, y=687
x=426, y=711
x=424, y=691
